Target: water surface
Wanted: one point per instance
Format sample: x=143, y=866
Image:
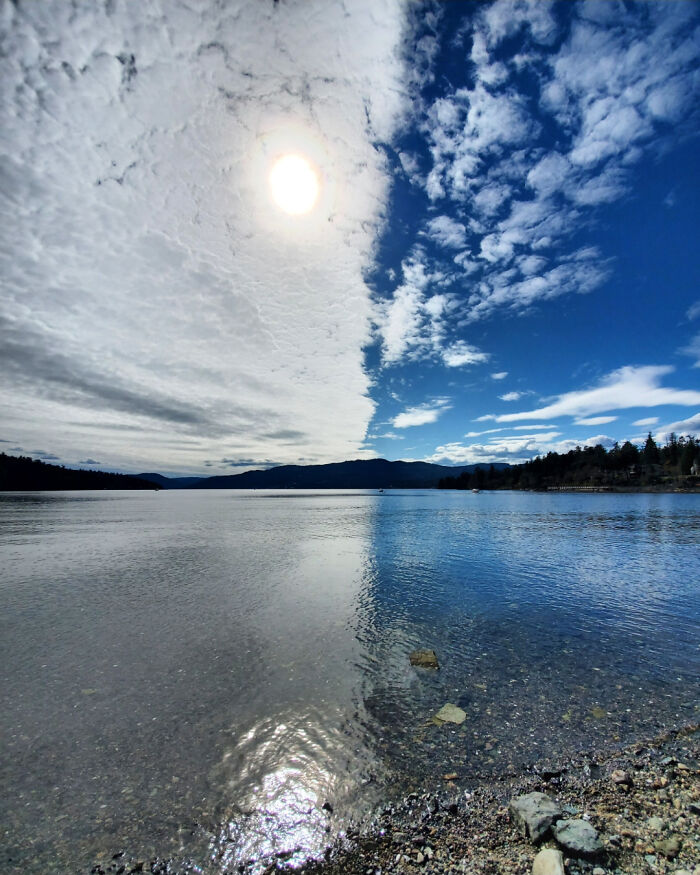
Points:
x=194, y=674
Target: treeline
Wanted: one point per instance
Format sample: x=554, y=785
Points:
x=20, y=474
x=628, y=466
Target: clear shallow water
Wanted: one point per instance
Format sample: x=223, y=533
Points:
x=194, y=674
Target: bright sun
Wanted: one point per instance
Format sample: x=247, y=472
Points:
x=294, y=184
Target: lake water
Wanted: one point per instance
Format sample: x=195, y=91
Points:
x=194, y=674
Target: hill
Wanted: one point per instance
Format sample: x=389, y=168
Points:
x=357, y=474
x=20, y=474
x=171, y=482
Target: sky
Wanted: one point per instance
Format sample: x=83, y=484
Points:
x=486, y=248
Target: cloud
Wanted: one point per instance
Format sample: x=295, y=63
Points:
x=620, y=390
x=461, y=353
x=149, y=282
x=693, y=349
x=513, y=449
x=533, y=144
x=88, y=462
x=693, y=311
x=447, y=232
x=595, y=420
x=649, y=420
x=511, y=396
x=422, y=414
x=499, y=375
x=690, y=426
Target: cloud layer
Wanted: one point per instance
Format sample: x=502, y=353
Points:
x=157, y=308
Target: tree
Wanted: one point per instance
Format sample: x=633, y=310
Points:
x=650, y=453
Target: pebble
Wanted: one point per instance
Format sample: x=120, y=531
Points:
x=655, y=824
x=548, y=862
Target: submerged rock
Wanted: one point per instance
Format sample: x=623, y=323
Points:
x=534, y=814
x=548, y=862
x=450, y=714
x=578, y=837
x=424, y=658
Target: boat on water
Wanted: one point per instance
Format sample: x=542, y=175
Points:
x=476, y=490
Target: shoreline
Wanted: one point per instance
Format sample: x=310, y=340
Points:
x=642, y=800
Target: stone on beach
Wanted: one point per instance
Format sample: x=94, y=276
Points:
x=548, y=862
x=424, y=658
x=450, y=714
x=578, y=837
x=534, y=814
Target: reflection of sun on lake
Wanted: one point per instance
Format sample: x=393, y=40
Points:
x=294, y=184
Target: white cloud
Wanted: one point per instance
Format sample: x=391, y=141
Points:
x=595, y=420
x=512, y=449
x=447, y=232
x=693, y=349
x=693, y=311
x=511, y=396
x=619, y=85
x=423, y=414
x=649, y=420
x=149, y=282
x=499, y=375
x=690, y=426
x=461, y=353
x=620, y=390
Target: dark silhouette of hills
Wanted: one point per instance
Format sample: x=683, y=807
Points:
x=20, y=474
x=171, y=482
x=358, y=474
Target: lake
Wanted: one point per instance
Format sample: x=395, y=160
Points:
x=195, y=674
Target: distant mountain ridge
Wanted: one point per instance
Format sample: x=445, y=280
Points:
x=356, y=474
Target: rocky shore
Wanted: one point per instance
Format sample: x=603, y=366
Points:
x=634, y=811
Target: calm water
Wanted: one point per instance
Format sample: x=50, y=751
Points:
x=195, y=674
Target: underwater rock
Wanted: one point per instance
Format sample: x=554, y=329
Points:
x=450, y=714
x=424, y=658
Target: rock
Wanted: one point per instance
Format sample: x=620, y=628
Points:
x=419, y=858
x=577, y=837
x=548, y=862
x=620, y=777
x=655, y=824
x=598, y=871
x=669, y=847
x=424, y=658
x=534, y=814
x=450, y=714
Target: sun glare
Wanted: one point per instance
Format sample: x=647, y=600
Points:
x=294, y=184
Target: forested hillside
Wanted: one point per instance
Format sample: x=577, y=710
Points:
x=672, y=466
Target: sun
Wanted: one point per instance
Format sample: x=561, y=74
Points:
x=294, y=184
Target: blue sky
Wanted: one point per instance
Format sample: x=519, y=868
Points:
x=501, y=258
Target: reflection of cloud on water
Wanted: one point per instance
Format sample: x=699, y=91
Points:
x=280, y=774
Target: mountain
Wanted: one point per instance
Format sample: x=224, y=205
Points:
x=358, y=474
x=171, y=482
x=22, y=474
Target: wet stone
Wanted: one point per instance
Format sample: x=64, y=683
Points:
x=424, y=658
x=534, y=814
x=450, y=714
x=577, y=837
